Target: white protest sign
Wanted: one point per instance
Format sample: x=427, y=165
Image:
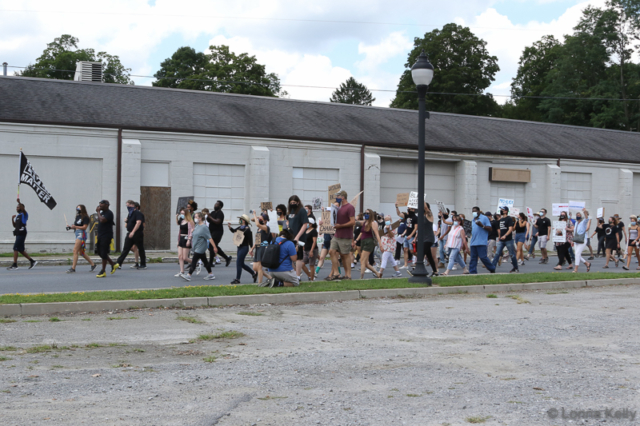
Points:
x=413, y=200
x=273, y=222
x=441, y=207
x=530, y=214
x=557, y=208
x=600, y=213
x=514, y=212
x=576, y=206
x=504, y=202
x=559, y=231
x=334, y=214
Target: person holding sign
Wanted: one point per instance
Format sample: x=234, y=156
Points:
x=505, y=239
x=19, y=222
x=563, y=247
x=580, y=238
x=634, y=240
x=612, y=240
x=342, y=241
x=243, y=248
x=368, y=242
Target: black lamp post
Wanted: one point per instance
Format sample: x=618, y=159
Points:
x=422, y=74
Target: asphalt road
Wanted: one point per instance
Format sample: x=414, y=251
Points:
x=53, y=279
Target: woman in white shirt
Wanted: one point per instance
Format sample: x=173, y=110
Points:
x=457, y=242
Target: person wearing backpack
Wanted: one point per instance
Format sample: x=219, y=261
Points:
x=282, y=269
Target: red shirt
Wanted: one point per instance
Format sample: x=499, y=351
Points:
x=345, y=213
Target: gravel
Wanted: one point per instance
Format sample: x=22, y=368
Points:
x=452, y=359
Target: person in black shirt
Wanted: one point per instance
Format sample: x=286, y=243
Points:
x=311, y=250
x=410, y=219
x=80, y=226
x=622, y=231
x=215, y=221
x=134, y=249
x=105, y=235
x=612, y=239
x=600, y=232
x=492, y=238
x=19, y=223
x=505, y=239
x=298, y=224
x=134, y=236
x=265, y=238
x=243, y=248
x=544, y=234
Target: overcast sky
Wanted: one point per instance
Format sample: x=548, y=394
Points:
x=307, y=43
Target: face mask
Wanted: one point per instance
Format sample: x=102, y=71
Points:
x=578, y=217
x=293, y=205
x=338, y=200
x=633, y=224
x=366, y=217
x=542, y=214
x=130, y=209
x=475, y=214
x=181, y=217
x=455, y=223
x=78, y=210
x=387, y=222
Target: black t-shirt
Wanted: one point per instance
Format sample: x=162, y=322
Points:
x=493, y=234
x=620, y=229
x=20, y=228
x=296, y=221
x=81, y=221
x=543, y=224
x=610, y=231
x=216, y=230
x=132, y=219
x=309, y=243
x=600, y=232
x=410, y=220
x=505, y=224
x=105, y=230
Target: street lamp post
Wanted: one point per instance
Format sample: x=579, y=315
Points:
x=422, y=74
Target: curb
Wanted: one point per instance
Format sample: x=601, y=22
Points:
x=81, y=262
x=284, y=298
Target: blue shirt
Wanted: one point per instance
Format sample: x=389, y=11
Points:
x=581, y=227
x=287, y=249
x=479, y=236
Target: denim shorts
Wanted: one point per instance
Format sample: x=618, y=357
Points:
x=408, y=242
x=520, y=238
x=80, y=234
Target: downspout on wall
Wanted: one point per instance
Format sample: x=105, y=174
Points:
x=119, y=190
x=362, y=177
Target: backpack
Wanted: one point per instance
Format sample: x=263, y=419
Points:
x=271, y=255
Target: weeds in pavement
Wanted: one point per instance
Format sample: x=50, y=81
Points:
x=6, y=320
x=251, y=314
x=41, y=349
x=120, y=318
x=491, y=296
x=190, y=320
x=4, y=358
x=210, y=359
x=477, y=419
x=32, y=321
x=138, y=350
x=518, y=299
x=231, y=334
x=93, y=345
x=8, y=348
x=54, y=319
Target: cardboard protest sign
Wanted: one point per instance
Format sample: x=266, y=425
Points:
x=326, y=227
x=274, y=228
x=576, y=206
x=557, y=208
x=258, y=238
x=355, y=200
x=505, y=202
x=331, y=192
x=402, y=199
x=413, y=200
x=267, y=205
x=238, y=237
x=441, y=207
x=600, y=213
x=316, y=204
x=559, y=231
x=395, y=224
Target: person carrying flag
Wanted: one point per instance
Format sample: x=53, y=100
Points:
x=19, y=222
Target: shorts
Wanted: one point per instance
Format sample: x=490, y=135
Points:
x=258, y=253
x=542, y=240
x=341, y=245
x=588, y=242
x=368, y=245
x=103, y=247
x=286, y=276
x=387, y=256
x=327, y=242
x=182, y=242
x=408, y=242
x=300, y=252
x=19, y=244
x=611, y=244
x=520, y=238
x=80, y=235
x=310, y=257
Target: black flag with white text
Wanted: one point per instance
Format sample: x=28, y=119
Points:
x=29, y=177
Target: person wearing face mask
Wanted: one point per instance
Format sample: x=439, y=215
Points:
x=216, y=220
x=505, y=239
x=201, y=238
x=563, y=248
x=623, y=235
x=522, y=231
x=19, y=223
x=533, y=232
x=281, y=211
x=479, y=241
x=134, y=236
x=105, y=236
x=410, y=219
x=298, y=224
x=601, y=238
x=368, y=237
x=612, y=240
x=387, y=247
x=580, y=238
x=80, y=225
x=428, y=238
x=544, y=233
x=444, y=231
x=457, y=242
x=634, y=240
x=342, y=242
x=186, y=226
x=265, y=238
x=243, y=249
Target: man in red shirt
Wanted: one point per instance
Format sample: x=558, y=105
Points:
x=342, y=242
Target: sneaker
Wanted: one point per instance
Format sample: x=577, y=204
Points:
x=70, y=271
x=465, y=271
x=93, y=268
x=266, y=283
x=134, y=266
x=397, y=274
x=114, y=268
x=217, y=260
x=210, y=277
x=455, y=268
x=542, y=262
x=102, y=274
x=199, y=268
x=33, y=263
x=186, y=277
x=12, y=267
x=141, y=268
x=514, y=270
x=403, y=267
x=229, y=260
x=367, y=271
x=353, y=265
x=590, y=258
x=179, y=274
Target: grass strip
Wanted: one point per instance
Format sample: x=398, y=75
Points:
x=319, y=286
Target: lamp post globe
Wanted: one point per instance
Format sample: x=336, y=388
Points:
x=422, y=74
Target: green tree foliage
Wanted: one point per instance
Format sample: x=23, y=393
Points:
x=58, y=61
x=462, y=65
x=352, y=92
x=218, y=70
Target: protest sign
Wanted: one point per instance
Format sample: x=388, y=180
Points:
x=316, y=203
x=395, y=224
x=331, y=192
x=258, y=238
x=441, y=207
x=413, y=200
x=557, y=208
x=505, y=202
x=274, y=228
x=402, y=199
x=600, y=213
x=334, y=214
x=238, y=237
x=355, y=199
x=268, y=205
x=530, y=214
x=559, y=231
x=576, y=206
x=29, y=177
x=326, y=227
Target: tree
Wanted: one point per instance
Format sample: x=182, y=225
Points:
x=462, y=65
x=58, y=61
x=352, y=92
x=218, y=70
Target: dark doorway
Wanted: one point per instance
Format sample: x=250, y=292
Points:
x=155, y=204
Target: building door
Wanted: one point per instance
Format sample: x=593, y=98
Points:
x=309, y=183
x=155, y=204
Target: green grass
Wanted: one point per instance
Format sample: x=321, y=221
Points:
x=224, y=335
x=4, y=358
x=320, y=286
x=491, y=296
x=251, y=314
x=8, y=348
x=210, y=359
x=477, y=419
x=41, y=348
x=190, y=320
x=55, y=319
x=6, y=321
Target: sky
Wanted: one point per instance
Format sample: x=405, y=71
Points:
x=307, y=43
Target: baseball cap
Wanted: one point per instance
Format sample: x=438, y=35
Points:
x=342, y=193
x=488, y=214
x=104, y=202
x=505, y=208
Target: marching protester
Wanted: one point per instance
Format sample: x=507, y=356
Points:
x=285, y=272
x=326, y=245
x=355, y=255
x=342, y=241
x=522, y=234
x=265, y=238
x=586, y=217
x=544, y=232
x=105, y=235
x=80, y=225
x=243, y=248
x=444, y=230
x=563, y=247
x=623, y=235
x=298, y=224
x=134, y=249
x=492, y=238
x=533, y=233
x=410, y=219
x=281, y=211
x=479, y=242
x=634, y=240
x=201, y=239
x=388, y=246
x=599, y=231
x=186, y=226
x=505, y=239
x=612, y=240
x=368, y=236
x=134, y=236
x=457, y=242
x=19, y=223
x=216, y=228
x=429, y=238
x=580, y=238
x=311, y=249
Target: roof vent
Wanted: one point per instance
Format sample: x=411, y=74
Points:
x=88, y=71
